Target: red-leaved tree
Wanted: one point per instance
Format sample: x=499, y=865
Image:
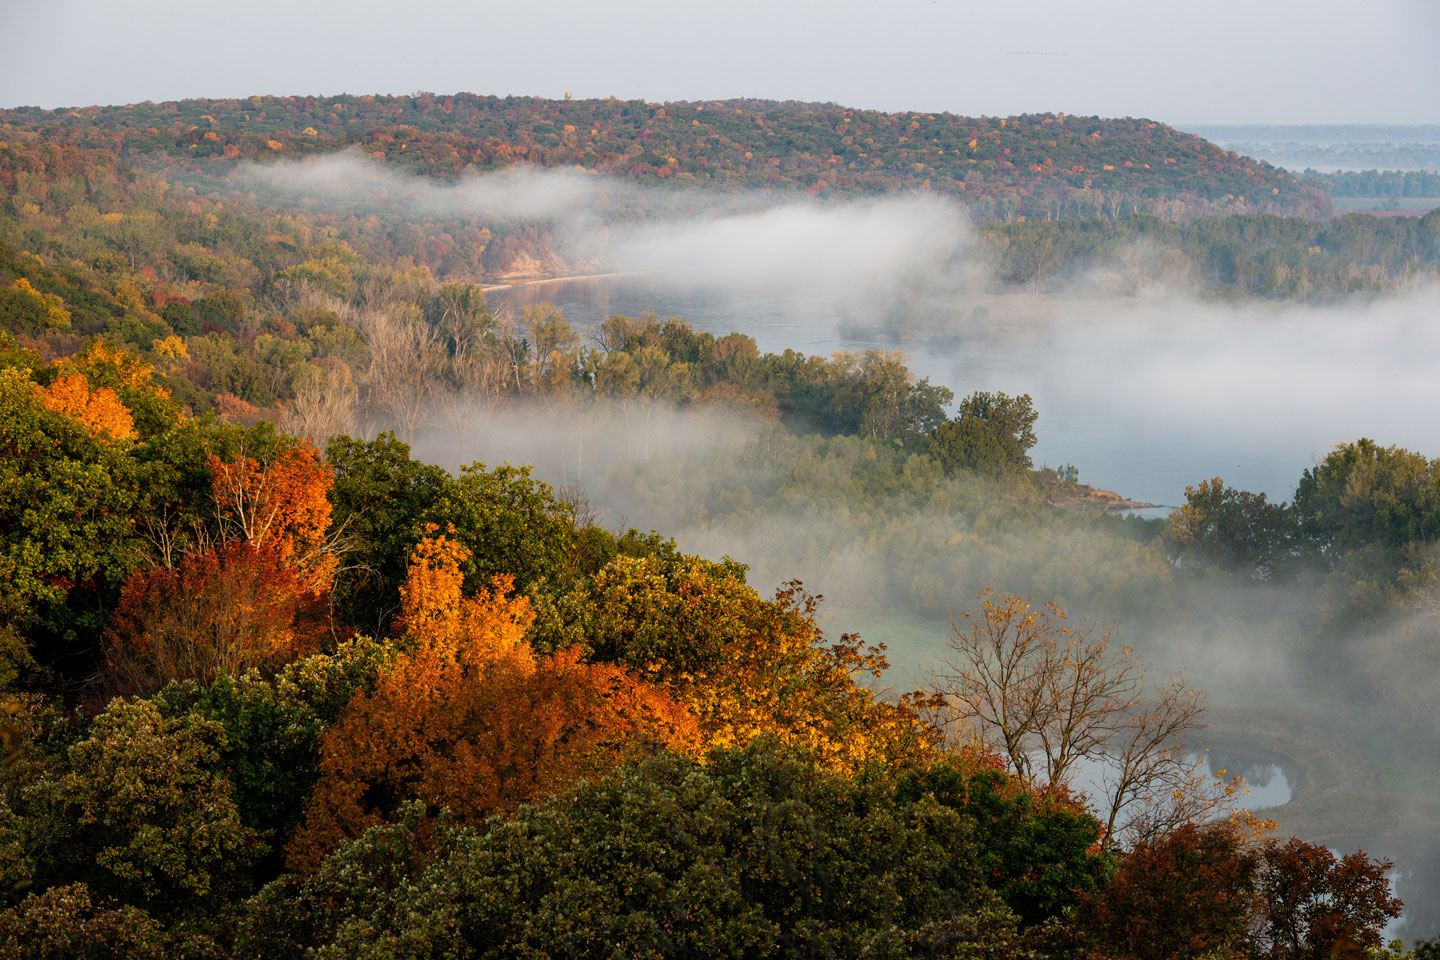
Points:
x=219, y=612
x=1316, y=904
x=258, y=597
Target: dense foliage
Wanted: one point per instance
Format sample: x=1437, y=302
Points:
x=284, y=691
x=1036, y=165
x=1377, y=183
x=636, y=726
x=1270, y=257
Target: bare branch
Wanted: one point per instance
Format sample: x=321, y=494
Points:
x=1052, y=696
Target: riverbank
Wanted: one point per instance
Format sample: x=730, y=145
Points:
x=541, y=281
x=1083, y=498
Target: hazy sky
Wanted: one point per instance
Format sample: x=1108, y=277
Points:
x=1282, y=61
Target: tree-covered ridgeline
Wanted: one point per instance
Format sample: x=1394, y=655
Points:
x=1035, y=165
x=1376, y=183
x=252, y=298
x=247, y=302
x=1272, y=258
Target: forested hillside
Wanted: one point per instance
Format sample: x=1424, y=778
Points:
x=1275, y=258
x=1036, y=165
x=274, y=684
x=117, y=203
x=262, y=701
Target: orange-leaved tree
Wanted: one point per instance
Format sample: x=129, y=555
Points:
x=470, y=719
x=113, y=378
x=100, y=411
x=283, y=504
x=256, y=598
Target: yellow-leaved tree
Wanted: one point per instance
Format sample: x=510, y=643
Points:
x=747, y=666
x=101, y=411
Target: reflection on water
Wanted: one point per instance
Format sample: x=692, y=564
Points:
x=1270, y=778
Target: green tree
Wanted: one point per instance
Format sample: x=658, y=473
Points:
x=25, y=309
x=461, y=314
x=1234, y=530
x=757, y=852
x=64, y=923
x=967, y=444
x=380, y=501
x=1010, y=419
x=657, y=615
x=554, y=347
x=1362, y=494
x=67, y=509
x=990, y=434
x=509, y=523
x=894, y=405
x=272, y=727
x=155, y=825
x=1038, y=850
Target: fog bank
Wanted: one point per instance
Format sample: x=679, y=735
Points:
x=733, y=242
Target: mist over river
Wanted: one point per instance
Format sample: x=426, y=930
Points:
x=1143, y=396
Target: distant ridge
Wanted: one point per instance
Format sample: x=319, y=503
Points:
x=1333, y=147
x=1321, y=133
x=1046, y=166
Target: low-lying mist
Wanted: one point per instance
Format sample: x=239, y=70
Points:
x=350, y=180
x=1151, y=395
x=896, y=547
x=732, y=242
x=1143, y=393
x=875, y=534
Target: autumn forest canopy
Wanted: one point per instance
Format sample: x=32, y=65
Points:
x=1013, y=165
x=275, y=683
